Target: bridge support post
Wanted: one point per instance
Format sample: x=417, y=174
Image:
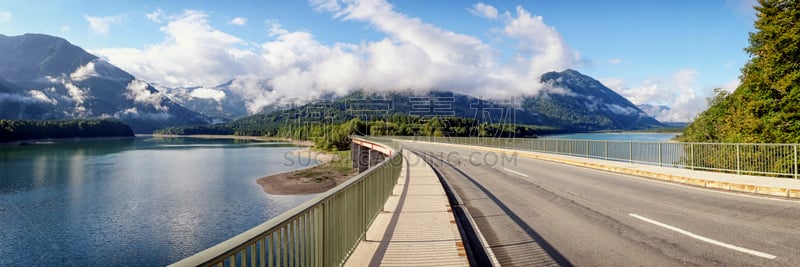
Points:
x=363, y=158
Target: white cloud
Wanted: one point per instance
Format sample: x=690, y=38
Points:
x=66, y=29
x=139, y=92
x=41, y=97
x=5, y=16
x=192, y=53
x=78, y=95
x=238, y=21
x=413, y=55
x=84, y=72
x=731, y=85
x=542, y=43
x=484, y=10
x=155, y=16
x=208, y=93
x=615, y=61
x=679, y=91
x=102, y=25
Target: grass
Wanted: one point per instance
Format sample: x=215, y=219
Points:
x=340, y=166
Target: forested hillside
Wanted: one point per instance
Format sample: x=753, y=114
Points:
x=765, y=108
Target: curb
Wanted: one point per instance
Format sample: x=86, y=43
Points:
x=720, y=185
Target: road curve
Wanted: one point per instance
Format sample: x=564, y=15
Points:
x=535, y=212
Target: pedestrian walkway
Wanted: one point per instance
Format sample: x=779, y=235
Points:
x=417, y=227
x=782, y=187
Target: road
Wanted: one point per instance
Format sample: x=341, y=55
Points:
x=541, y=213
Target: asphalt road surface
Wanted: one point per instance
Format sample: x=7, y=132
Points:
x=539, y=213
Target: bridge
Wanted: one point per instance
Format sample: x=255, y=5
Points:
x=539, y=202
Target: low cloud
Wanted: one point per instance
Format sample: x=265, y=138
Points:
x=615, y=61
x=484, y=10
x=102, y=25
x=139, y=92
x=42, y=97
x=679, y=91
x=207, y=93
x=238, y=21
x=84, y=72
x=412, y=55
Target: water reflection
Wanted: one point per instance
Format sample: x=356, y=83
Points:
x=133, y=201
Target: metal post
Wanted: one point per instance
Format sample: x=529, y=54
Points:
x=738, y=170
x=660, y=163
x=630, y=152
x=606, y=150
x=691, y=155
x=587, y=148
x=795, y=161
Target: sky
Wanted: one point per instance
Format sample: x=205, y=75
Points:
x=671, y=53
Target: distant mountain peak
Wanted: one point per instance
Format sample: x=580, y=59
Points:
x=47, y=77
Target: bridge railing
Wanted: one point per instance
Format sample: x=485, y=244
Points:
x=322, y=231
x=779, y=160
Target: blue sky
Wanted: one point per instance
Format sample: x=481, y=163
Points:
x=672, y=53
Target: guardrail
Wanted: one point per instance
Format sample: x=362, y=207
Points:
x=779, y=160
x=320, y=232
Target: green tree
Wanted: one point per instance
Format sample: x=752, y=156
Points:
x=764, y=108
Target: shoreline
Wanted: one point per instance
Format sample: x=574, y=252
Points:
x=301, y=143
x=309, y=180
x=57, y=140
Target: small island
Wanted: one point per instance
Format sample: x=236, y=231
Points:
x=23, y=130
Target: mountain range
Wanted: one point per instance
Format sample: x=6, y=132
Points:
x=46, y=77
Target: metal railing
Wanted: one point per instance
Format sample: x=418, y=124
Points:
x=778, y=160
x=320, y=232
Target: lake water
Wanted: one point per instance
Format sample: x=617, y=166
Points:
x=624, y=136
x=133, y=202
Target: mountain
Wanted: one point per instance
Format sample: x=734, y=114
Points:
x=578, y=102
x=570, y=102
x=46, y=77
x=219, y=102
x=654, y=110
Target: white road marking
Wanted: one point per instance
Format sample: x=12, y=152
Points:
x=706, y=239
x=515, y=172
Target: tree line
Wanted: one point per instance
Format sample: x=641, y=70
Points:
x=330, y=135
x=19, y=130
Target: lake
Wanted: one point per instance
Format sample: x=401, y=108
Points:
x=133, y=202
x=624, y=136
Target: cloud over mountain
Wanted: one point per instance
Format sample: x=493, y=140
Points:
x=411, y=55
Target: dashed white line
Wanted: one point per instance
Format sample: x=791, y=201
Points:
x=705, y=239
x=515, y=172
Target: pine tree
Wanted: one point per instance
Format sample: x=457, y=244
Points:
x=766, y=106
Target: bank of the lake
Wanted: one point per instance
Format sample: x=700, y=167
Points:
x=333, y=169
x=134, y=202
x=622, y=136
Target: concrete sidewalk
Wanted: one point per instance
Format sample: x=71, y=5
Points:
x=417, y=227
x=782, y=187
